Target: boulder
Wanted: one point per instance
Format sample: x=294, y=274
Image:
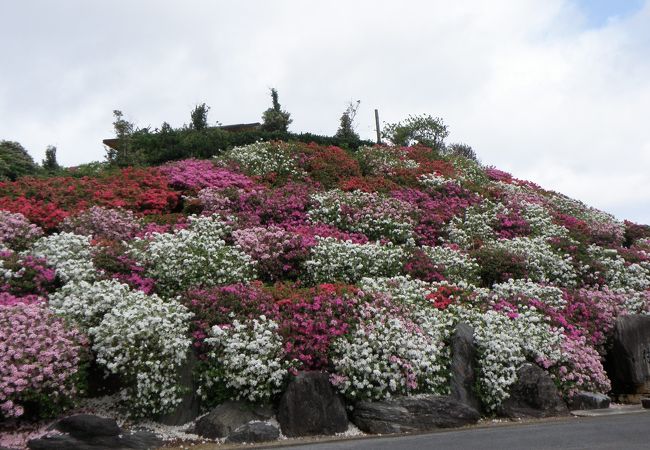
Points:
x=412, y=414
x=141, y=440
x=628, y=360
x=227, y=417
x=534, y=394
x=254, y=432
x=463, y=372
x=188, y=409
x=87, y=426
x=589, y=400
x=310, y=406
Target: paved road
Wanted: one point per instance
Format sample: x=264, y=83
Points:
x=623, y=432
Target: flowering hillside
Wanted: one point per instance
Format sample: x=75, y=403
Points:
x=280, y=257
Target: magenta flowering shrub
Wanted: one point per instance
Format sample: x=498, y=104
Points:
x=195, y=174
x=103, y=223
x=7, y=299
x=287, y=204
x=40, y=359
x=278, y=253
x=16, y=231
x=25, y=275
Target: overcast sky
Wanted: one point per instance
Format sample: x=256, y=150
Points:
x=555, y=91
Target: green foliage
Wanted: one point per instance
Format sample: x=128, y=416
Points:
x=199, y=117
x=125, y=153
x=15, y=162
x=424, y=130
x=275, y=118
x=463, y=150
x=346, y=128
x=50, y=164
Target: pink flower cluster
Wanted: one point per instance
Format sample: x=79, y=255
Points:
x=103, y=223
x=278, y=253
x=195, y=174
x=29, y=275
x=39, y=359
x=16, y=231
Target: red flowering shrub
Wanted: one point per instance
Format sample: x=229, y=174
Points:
x=326, y=165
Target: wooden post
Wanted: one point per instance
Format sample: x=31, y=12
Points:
x=377, y=126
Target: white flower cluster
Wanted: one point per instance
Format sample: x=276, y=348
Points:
x=333, y=260
x=144, y=340
x=249, y=359
x=469, y=171
x=434, y=181
x=196, y=256
x=456, y=266
x=375, y=215
x=541, y=222
x=383, y=160
x=406, y=291
x=549, y=295
x=543, y=264
x=503, y=346
x=477, y=224
x=387, y=355
x=262, y=158
x=69, y=253
x=87, y=303
x=637, y=302
x=616, y=272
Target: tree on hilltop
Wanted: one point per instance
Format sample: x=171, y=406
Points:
x=50, y=164
x=423, y=130
x=346, y=128
x=275, y=118
x=15, y=162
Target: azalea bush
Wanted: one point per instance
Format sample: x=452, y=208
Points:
x=247, y=360
x=16, y=231
x=70, y=254
x=40, y=360
x=103, y=223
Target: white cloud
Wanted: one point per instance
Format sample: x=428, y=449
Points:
x=526, y=83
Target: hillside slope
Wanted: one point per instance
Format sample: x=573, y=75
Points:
x=278, y=257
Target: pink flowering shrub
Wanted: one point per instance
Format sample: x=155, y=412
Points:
x=7, y=299
x=25, y=275
x=103, y=223
x=278, y=253
x=580, y=367
x=40, y=361
x=311, y=319
x=195, y=174
x=16, y=231
x=111, y=260
x=498, y=175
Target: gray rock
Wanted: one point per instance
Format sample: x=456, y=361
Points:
x=534, y=394
x=141, y=440
x=463, y=372
x=227, y=417
x=310, y=406
x=628, y=361
x=254, y=432
x=87, y=425
x=412, y=414
x=589, y=400
x=188, y=409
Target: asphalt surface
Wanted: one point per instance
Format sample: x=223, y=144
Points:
x=618, y=432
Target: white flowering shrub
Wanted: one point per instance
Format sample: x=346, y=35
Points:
x=549, y=295
x=334, y=260
x=455, y=265
x=504, y=343
x=69, y=253
x=196, y=256
x=248, y=359
x=262, y=158
x=541, y=222
x=383, y=160
x=389, y=355
x=616, y=272
x=469, y=172
x=433, y=181
x=542, y=263
x=477, y=224
x=375, y=215
x=144, y=340
x=404, y=290
x=87, y=303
